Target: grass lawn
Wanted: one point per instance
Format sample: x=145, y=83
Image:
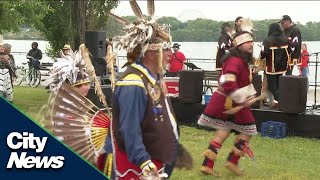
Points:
x=290, y=158
x=29, y=100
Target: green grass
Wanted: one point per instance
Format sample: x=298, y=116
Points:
x=290, y=158
x=30, y=100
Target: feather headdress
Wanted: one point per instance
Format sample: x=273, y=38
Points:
x=69, y=67
x=66, y=68
x=247, y=25
x=245, y=35
x=146, y=34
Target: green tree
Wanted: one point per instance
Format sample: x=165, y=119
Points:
x=67, y=21
x=15, y=13
x=56, y=25
x=174, y=22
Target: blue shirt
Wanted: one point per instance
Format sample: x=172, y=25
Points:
x=131, y=96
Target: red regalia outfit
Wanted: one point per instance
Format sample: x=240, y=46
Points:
x=234, y=89
x=221, y=100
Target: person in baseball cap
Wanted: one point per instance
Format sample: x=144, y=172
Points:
x=176, y=45
x=285, y=18
x=294, y=36
x=176, y=62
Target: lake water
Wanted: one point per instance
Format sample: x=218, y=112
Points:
x=197, y=50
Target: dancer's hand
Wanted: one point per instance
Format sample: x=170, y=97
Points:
x=150, y=170
x=249, y=101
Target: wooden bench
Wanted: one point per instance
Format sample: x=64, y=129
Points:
x=210, y=80
x=45, y=68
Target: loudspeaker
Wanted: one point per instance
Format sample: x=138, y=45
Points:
x=257, y=84
x=96, y=43
x=185, y=112
x=107, y=91
x=100, y=66
x=190, y=86
x=293, y=93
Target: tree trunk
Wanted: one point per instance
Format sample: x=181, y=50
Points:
x=78, y=15
x=82, y=19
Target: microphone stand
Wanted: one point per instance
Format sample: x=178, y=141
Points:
x=314, y=106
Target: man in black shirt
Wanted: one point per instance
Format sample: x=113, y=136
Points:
x=294, y=36
x=34, y=55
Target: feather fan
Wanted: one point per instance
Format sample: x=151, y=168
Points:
x=77, y=122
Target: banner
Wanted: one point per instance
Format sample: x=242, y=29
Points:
x=29, y=152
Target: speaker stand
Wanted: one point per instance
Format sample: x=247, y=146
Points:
x=315, y=106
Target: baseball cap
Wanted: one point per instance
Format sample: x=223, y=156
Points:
x=66, y=46
x=285, y=17
x=176, y=45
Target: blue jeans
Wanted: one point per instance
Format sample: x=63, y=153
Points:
x=305, y=72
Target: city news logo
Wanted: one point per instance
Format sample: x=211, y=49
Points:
x=25, y=141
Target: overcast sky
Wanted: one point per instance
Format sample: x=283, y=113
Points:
x=299, y=11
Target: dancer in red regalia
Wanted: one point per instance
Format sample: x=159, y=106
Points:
x=235, y=89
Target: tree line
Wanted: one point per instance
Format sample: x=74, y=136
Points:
x=207, y=30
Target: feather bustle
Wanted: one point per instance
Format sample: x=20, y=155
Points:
x=66, y=97
x=60, y=119
x=66, y=112
x=67, y=133
x=119, y=19
x=67, y=126
x=136, y=10
x=151, y=9
x=75, y=108
x=86, y=101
